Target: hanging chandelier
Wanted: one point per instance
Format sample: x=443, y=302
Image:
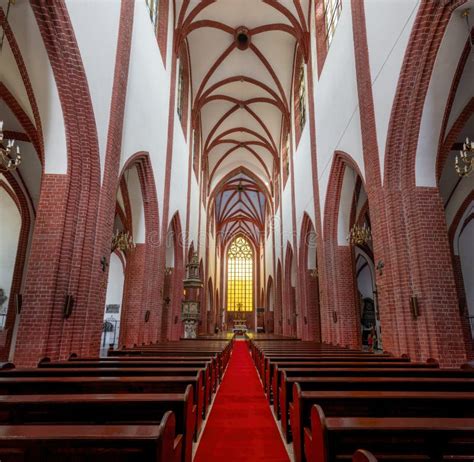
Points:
x=122, y=240
x=8, y=160
x=464, y=162
x=359, y=235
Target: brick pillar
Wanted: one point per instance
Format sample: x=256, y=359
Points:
x=418, y=263
x=277, y=315
x=347, y=324
x=312, y=307
x=133, y=312
x=43, y=299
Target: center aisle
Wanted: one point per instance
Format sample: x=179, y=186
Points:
x=241, y=426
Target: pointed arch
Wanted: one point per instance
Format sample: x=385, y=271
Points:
x=289, y=294
x=309, y=281
x=340, y=282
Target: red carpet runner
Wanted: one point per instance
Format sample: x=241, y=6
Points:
x=241, y=427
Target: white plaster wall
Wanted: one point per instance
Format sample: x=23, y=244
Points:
x=97, y=36
x=10, y=225
x=30, y=42
x=444, y=69
x=287, y=216
x=336, y=101
x=344, y=215
x=136, y=203
x=304, y=198
x=115, y=284
x=389, y=24
x=147, y=102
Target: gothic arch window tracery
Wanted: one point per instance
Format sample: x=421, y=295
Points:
x=240, y=276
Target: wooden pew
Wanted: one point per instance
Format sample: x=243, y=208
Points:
x=115, y=372
x=362, y=455
x=221, y=359
x=353, y=384
x=377, y=404
x=100, y=409
x=107, y=385
x=147, y=361
x=289, y=376
x=389, y=438
x=209, y=373
x=90, y=443
x=271, y=362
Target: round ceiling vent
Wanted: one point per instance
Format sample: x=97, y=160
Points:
x=242, y=38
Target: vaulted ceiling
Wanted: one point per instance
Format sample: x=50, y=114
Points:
x=241, y=62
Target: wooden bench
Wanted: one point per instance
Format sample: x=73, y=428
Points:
x=361, y=455
x=99, y=371
x=145, y=361
x=91, y=443
x=376, y=404
x=289, y=376
x=272, y=383
x=106, y=385
x=112, y=409
x=220, y=360
x=389, y=438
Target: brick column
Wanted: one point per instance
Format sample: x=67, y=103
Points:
x=42, y=305
x=133, y=311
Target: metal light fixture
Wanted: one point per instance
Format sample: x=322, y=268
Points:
x=8, y=160
x=359, y=235
x=190, y=307
x=122, y=240
x=464, y=162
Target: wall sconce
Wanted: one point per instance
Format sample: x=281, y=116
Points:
x=68, y=306
x=415, y=309
x=313, y=273
x=380, y=267
x=104, y=264
x=147, y=315
x=167, y=300
x=334, y=316
x=168, y=270
x=18, y=302
x=305, y=320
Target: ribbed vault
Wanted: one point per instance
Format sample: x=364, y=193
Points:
x=241, y=57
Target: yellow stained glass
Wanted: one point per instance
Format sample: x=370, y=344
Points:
x=240, y=276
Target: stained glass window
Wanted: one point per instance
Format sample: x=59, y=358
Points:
x=240, y=276
x=332, y=11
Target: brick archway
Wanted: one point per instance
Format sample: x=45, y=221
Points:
x=290, y=314
x=309, y=282
x=173, y=283
x=67, y=243
x=413, y=222
x=142, y=293
x=342, y=314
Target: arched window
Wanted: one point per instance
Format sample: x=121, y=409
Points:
x=240, y=276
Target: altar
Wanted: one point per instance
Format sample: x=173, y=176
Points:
x=239, y=329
